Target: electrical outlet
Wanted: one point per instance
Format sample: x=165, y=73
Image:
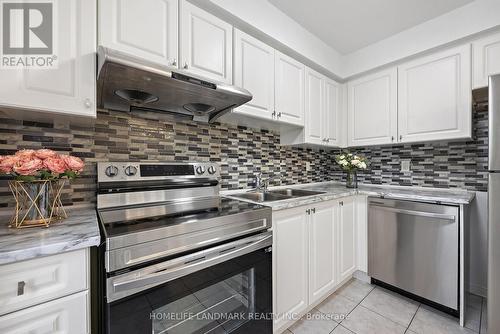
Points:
x=308, y=166
x=405, y=165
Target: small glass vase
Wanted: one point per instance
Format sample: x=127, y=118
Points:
x=352, y=179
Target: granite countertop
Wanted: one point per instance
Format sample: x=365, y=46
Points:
x=79, y=230
x=334, y=190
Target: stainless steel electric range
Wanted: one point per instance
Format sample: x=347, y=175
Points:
x=177, y=257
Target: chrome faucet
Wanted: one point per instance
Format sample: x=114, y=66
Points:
x=261, y=184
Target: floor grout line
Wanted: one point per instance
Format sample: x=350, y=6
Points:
x=359, y=304
x=412, y=318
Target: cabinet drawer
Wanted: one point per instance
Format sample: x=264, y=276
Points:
x=67, y=315
x=34, y=281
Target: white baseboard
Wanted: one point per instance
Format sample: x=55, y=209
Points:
x=362, y=276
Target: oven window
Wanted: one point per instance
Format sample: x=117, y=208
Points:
x=230, y=297
x=219, y=308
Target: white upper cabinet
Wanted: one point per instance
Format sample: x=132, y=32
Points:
x=322, y=254
x=254, y=70
x=434, y=101
x=314, y=112
x=486, y=59
x=333, y=119
x=70, y=88
x=206, y=44
x=144, y=29
x=372, y=109
x=289, y=89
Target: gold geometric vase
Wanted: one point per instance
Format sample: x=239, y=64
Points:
x=38, y=203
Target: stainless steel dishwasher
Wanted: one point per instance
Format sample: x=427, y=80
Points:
x=415, y=247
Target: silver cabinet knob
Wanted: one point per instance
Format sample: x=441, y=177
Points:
x=400, y=137
x=186, y=66
x=392, y=138
x=87, y=103
x=273, y=114
x=20, y=288
x=279, y=114
x=174, y=62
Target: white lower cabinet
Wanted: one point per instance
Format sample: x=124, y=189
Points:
x=46, y=295
x=322, y=250
x=347, y=238
x=290, y=264
x=66, y=315
x=314, y=250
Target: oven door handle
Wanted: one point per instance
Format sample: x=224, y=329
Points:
x=145, y=278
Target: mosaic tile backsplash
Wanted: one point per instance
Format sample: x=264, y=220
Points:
x=240, y=151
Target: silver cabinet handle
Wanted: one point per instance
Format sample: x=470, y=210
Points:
x=186, y=66
x=174, y=62
x=142, y=279
x=20, y=288
x=400, y=137
x=274, y=113
x=416, y=213
x=392, y=138
x=308, y=211
x=87, y=103
x=313, y=210
x=279, y=114
x=341, y=203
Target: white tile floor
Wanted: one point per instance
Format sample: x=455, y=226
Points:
x=361, y=308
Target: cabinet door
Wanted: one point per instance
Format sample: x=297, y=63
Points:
x=485, y=59
x=254, y=71
x=372, y=109
x=314, y=98
x=206, y=44
x=66, y=315
x=289, y=88
x=435, y=97
x=346, y=238
x=70, y=88
x=144, y=29
x=290, y=263
x=332, y=113
x=322, y=252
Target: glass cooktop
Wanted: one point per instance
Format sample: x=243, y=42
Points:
x=140, y=218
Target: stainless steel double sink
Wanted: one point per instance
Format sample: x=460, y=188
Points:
x=276, y=195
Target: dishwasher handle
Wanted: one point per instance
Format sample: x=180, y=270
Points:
x=416, y=213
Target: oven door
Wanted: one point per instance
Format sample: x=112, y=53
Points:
x=223, y=289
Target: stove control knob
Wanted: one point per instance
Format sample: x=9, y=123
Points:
x=200, y=170
x=211, y=170
x=130, y=170
x=111, y=171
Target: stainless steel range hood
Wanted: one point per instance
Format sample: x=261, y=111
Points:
x=127, y=83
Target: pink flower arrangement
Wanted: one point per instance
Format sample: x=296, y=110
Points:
x=42, y=164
